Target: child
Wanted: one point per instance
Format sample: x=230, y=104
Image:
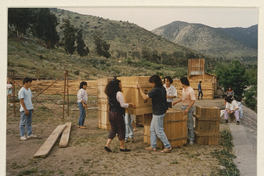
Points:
x=26, y=110
x=240, y=107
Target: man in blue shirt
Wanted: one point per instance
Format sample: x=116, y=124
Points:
x=26, y=110
x=200, y=90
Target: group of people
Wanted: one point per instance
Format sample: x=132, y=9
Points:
x=121, y=123
x=162, y=98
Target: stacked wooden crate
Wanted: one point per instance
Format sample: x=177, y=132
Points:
x=175, y=128
x=58, y=87
x=102, y=104
x=207, y=121
x=207, y=87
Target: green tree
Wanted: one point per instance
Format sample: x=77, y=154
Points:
x=253, y=75
x=68, y=31
x=44, y=27
x=21, y=19
x=101, y=47
x=251, y=97
x=81, y=47
x=232, y=74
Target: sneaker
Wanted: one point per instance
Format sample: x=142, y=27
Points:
x=31, y=136
x=191, y=143
x=23, y=138
x=126, y=141
x=133, y=139
x=237, y=123
x=226, y=121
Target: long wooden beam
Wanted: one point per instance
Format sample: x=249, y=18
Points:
x=50, y=142
x=65, y=135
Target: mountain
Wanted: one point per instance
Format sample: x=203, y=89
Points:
x=121, y=35
x=210, y=41
x=247, y=36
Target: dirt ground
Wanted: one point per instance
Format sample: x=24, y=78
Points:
x=85, y=154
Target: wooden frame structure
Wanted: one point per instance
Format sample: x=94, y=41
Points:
x=66, y=91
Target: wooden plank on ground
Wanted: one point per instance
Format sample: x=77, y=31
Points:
x=49, y=143
x=65, y=135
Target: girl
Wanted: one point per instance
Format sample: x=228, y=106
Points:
x=82, y=103
x=159, y=108
x=116, y=114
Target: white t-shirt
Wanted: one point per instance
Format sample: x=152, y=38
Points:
x=27, y=95
x=232, y=106
x=171, y=91
x=82, y=96
x=9, y=86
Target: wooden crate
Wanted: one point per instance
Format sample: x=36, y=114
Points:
x=101, y=84
x=207, y=138
x=102, y=104
x=132, y=95
x=175, y=128
x=208, y=111
x=207, y=125
x=103, y=121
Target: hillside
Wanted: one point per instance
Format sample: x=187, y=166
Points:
x=121, y=35
x=26, y=57
x=207, y=40
x=247, y=36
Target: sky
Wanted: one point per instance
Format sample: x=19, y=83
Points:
x=154, y=17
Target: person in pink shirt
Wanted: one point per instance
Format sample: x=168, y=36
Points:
x=188, y=100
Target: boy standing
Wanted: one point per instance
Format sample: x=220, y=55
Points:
x=188, y=100
x=26, y=110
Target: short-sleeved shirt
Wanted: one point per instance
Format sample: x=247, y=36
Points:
x=27, y=95
x=232, y=106
x=159, y=101
x=82, y=96
x=187, y=96
x=170, y=91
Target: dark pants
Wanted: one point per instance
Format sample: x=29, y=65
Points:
x=201, y=95
x=117, y=123
x=169, y=104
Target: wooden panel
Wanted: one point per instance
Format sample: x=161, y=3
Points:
x=175, y=128
x=49, y=143
x=208, y=111
x=101, y=87
x=206, y=138
x=65, y=135
x=102, y=104
x=103, y=121
x=140, y=110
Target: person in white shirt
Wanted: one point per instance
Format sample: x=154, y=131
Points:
x=9, y=90
x=170, y=89
x=231, y=108
x=82, y=103
x=26, y=110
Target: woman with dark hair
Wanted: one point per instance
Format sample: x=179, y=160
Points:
x=188, y=99
x=82, y=103
x=159, y=108
x=170, y=89
x=230, y=92
x=116, y=114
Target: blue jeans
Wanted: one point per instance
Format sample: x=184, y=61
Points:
x=129, y=127
x=201, y=95
x=25, y=120
x=189, y=122
x=82, y=114
x=156, y=129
